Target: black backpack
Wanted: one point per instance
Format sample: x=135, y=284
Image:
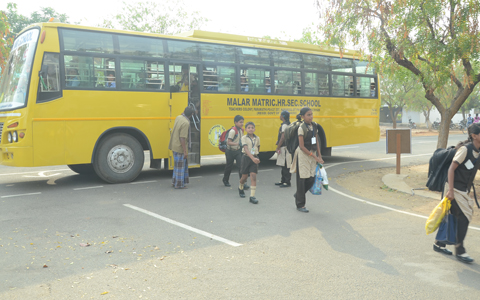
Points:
x=291, y=135
x=438, y=168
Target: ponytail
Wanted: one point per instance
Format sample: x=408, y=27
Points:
x=303, y=111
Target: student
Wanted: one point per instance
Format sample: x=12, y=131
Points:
x=234, y=150
x=306, y=157
x=72, y=78
x=469, y=120
x=461, y=174
x=250, y=161
x=284, y=158
x=110, y=80
x=178, y=144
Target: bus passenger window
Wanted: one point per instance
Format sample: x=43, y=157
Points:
x=219, y=78
x=341, y=85
x=256, y=81
x=142, y=75
x=210, y=79
x=288, y=82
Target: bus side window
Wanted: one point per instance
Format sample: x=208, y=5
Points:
x=49, y=83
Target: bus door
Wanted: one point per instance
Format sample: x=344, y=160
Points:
x=184, y=90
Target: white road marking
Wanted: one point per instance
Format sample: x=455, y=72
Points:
x=9, y=174
x=341, y=148
x=20, y=195
x=143, y=182
x=195, y=177
x=42, y=174
x=379, y=205
x=88, y=188
x=204, y=233
x=265, y=170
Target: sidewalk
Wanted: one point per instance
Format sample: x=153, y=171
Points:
x=396, y=182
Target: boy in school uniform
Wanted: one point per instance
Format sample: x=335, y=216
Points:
x=250, y=161
x=234, y=150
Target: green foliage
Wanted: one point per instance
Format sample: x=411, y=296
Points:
x=166, y=17
x=19, y=22
x=6, y=41
x=428, y=38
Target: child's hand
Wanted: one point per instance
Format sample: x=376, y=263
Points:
x=450, y=195
x=256, y=160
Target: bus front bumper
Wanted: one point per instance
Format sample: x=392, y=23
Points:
x=16, y=156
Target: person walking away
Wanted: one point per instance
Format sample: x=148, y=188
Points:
x=234, y=150
x=306, y=157
x=461, y=174
x=250, y=161
x=469, y=120
x=284, y=158
x=178, y=144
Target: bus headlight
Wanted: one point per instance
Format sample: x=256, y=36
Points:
x=15, y=136
x=9, y=137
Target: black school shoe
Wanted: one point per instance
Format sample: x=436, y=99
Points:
x=253, y=200
x=284, y=185
x=443, y=250
x=279, y=183
x=465, y=258
x=303, y=209
x=226, y=183
x=246, y=187
x=241, y=192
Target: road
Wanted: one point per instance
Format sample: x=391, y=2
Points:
x=66, y=236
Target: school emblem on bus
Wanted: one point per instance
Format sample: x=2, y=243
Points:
x=215, y=133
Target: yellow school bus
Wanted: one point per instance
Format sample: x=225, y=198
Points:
x=97, y=100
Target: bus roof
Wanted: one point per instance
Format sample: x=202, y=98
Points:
x=224, y=38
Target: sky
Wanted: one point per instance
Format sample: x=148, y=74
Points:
x=258, y=18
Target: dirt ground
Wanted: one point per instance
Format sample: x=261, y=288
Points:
x=369, y=185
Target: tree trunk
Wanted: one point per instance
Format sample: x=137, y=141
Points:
x=443, y=131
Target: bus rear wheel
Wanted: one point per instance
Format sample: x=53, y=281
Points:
x=82, y=169
x=264, y=156
x=119, y=158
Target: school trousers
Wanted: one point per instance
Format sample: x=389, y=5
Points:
x=303, y=185
x=231, y=156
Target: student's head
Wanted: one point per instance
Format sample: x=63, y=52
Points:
x=110, y=76
x=72, y=71
x=285, y=116
x=188, y=112
x=306, y=114
x=250, y=127
x=238, y=120
x=473, y=132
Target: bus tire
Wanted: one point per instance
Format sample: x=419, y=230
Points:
x=82, y=169
x=264, y=156
x=119, y=158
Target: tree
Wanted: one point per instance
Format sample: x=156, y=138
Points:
x=6, y=41
x=396, y=91
x=169, y=17
x=427, y=38
x=18, y=22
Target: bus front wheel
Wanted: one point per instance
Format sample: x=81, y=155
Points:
x=82, y=169
x=119, y=158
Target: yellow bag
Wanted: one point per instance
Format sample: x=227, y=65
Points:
x=437, y=215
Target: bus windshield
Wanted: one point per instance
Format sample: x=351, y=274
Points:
x=15, y=79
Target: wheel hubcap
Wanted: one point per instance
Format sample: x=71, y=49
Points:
x=120, y=159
